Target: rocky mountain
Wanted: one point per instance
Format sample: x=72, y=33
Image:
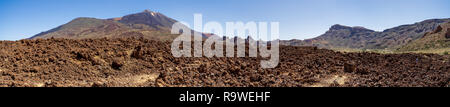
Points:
x=147, y=24
x=437, y=39
x=339, y=36
x=152, y=19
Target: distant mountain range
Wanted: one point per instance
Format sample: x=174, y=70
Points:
x=156, y=26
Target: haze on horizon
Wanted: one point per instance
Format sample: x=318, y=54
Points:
x=299, y=19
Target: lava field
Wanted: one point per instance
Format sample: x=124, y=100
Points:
x=129, y=62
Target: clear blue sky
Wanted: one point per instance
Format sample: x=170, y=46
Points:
x=299, y=19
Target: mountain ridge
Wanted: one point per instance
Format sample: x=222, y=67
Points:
x=341, y=36
x=436, y=39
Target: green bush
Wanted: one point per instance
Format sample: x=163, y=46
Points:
x=445, y=53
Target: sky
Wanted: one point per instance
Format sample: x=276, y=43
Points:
x=298, y=19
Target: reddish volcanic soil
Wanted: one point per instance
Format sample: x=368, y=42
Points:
x=141, y=62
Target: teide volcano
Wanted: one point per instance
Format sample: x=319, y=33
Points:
x=147, y=24
x=149, y=18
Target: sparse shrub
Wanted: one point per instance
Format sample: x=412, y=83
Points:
x=364, y=50
x=446, y=53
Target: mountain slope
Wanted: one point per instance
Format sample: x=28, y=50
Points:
x=339, y=36
x=438, y=39
x=85, y=28
x=398, y=36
